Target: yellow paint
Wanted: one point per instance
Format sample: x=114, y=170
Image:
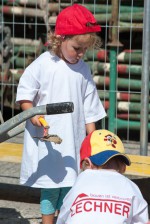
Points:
x=11, y=152
x=140, y=165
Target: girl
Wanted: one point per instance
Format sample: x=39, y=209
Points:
x=60, y=75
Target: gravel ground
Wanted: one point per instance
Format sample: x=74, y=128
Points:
x=12, y=212
x=18, y=204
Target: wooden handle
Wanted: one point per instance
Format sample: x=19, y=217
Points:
x=43, y=122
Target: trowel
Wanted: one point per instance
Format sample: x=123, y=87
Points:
x=47, y=137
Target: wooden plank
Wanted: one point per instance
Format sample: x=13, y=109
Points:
x=140, y=166
x=11, y=152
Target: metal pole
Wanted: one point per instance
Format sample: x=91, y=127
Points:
x=112, y=88
x=11, y=127
x=114, y=44
x=145, y=80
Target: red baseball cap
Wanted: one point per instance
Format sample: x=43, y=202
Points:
x=75, y=20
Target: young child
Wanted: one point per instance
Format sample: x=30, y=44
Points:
x=60, y=75
x=101, y=194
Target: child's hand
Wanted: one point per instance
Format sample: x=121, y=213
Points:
x=35, y=120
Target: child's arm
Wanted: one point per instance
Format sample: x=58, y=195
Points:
x=90, y=127
x=25, y=105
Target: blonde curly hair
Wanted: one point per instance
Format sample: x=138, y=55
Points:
x=54, y=41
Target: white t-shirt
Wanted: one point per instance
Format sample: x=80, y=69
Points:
x=103, y=197
x=50, y=80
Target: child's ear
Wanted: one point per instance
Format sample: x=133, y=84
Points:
x=88, y=163
x=123, y=169
x=58, y=36
x=61, y=37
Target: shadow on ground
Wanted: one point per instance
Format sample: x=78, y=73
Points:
x=11, y=216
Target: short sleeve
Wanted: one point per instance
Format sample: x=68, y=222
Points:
x=28, y=84
x=93, y=108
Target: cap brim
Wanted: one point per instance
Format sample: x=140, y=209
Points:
x=101, y=158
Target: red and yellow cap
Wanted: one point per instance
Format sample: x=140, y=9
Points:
x=102, y=145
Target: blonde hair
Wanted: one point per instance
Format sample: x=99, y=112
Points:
x=54, y=41
x=115, y=163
